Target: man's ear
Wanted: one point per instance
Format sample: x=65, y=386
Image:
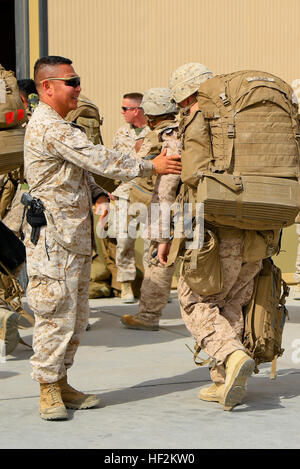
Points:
x=47, y=88
x=23, y=99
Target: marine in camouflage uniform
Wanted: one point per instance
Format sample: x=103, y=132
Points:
x=128, y=139
x=59, y=160
x=216, y=321
x=125, y=141
x=60, y=263
x=161, y=114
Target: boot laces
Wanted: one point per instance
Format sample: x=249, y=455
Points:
x=54, y=394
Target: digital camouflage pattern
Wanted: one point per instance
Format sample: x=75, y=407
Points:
x=186, y=79
x=58, y=158
x=125, y=259
x=125, y=141
x=58, y=161
x=157, y=101
x=158, y=278
x=166, y=185
x=216, y=321
x=58, y=295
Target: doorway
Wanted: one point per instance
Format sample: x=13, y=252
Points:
x=7, y=35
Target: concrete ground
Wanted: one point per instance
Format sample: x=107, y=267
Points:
x=148, y=385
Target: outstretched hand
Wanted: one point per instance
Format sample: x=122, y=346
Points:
x=102, y=209
x=163, y=252
x=164, y=164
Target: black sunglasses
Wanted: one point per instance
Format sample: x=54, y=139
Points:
x=72, y=81
x=125, y=108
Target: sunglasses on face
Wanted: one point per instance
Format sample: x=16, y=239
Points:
x=72, y=81
x=124, y=108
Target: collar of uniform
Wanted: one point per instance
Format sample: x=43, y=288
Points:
x=50, y=111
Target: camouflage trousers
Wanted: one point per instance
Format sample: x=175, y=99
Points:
x=58, y=294
x=126, y=237
x=155, y=288
x=125, y=258
x=216, y=321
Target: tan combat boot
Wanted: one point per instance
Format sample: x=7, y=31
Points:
x=136, y=322
x=213, y=393
x=75, y=399
x=127, y=295
x=239, y=366
x=51, y=404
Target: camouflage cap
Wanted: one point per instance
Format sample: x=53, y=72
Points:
x=186, y=79
x=157, y=101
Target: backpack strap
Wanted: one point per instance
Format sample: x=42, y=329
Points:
x=197, y=349
x=273, y=373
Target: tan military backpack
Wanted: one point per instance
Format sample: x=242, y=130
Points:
x=87, y=116
x=265, y=315
x=240, y=151
x=12, y=116
x=12, y=112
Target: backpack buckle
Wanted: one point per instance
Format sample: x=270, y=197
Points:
x=225, y=100
x=231, y=131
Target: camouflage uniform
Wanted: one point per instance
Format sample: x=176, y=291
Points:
x=160, y=112
x=124, y=141
x=216, y=321
x=58, y=160
x=158, y=278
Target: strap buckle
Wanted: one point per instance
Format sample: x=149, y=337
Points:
x=225, y=99
x=231, y=131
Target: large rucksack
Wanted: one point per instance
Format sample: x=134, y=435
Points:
x=240, y=153
x=12, y=116
x=12, y=111
x=264, y=316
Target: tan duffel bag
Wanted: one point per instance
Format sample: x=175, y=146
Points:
x=11, y=149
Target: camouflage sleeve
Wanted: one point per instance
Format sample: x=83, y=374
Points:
x=95, y=189
x=165, y=190
x=167, y=185
x=71, y=144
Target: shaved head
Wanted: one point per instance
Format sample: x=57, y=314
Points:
x=45, y=67
x=53, y=77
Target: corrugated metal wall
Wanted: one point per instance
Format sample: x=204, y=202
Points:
x=119, y=46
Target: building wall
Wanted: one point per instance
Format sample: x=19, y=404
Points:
x=120, y=46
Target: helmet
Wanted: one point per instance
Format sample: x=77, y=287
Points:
x=186, y=80
x=157, y=101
